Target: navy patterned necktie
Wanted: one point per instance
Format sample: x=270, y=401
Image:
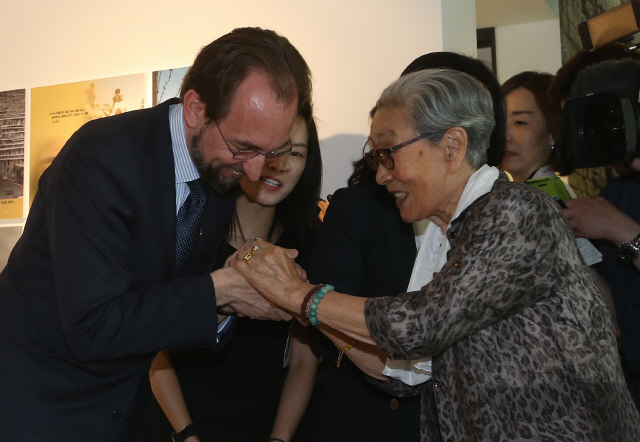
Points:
x=188, y=225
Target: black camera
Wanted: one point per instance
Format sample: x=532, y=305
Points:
x=602, y=124
x=602, y=129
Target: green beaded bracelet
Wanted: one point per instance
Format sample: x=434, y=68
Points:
x=313, y=305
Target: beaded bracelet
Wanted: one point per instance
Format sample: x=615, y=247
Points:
x=307, y=297
x=313, y=305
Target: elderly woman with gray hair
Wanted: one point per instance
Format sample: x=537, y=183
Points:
x=521, y=341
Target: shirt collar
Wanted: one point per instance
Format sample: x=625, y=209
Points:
x=185, y=170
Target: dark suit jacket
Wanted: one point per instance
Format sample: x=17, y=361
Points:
x=88, y=295
x=363, y=249
x=624, y=280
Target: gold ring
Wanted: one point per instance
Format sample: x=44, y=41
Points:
x=247, y=257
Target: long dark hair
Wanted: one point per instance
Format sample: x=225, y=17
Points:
x=362, y=172
x=297, y=214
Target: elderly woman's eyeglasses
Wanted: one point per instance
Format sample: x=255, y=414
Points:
x=375, y=157
x=248, y=154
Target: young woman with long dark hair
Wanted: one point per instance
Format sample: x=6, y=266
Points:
x=233, y=394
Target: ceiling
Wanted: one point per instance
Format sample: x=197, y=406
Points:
x=491, y=13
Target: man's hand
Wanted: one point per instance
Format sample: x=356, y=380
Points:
x=597, y=218
x=274, y=273
x=233, y=293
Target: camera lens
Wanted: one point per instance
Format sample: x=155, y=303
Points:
x=603, y=129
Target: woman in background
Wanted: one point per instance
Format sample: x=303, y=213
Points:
x=232, y=395
x=534, y=142
x=534, y=129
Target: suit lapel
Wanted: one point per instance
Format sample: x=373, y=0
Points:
x=162, y=194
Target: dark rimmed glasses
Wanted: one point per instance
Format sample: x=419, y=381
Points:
x=375, y=157
x=248, y=154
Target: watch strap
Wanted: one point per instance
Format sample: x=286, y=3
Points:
x=225, y=313
x=188, y=431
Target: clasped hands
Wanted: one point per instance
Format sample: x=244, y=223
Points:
x=261, y=281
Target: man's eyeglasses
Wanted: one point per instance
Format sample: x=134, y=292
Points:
x=375, y=157
x=248, y=154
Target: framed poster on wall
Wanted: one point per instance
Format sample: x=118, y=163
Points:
x=8, y=238
x=12, y=110
x=166, y=84
x=58, y=111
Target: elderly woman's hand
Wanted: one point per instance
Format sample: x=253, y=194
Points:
x=274, y=274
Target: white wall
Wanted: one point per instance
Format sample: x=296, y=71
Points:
x=459, y=27
x=354, y=48
x=530, y=46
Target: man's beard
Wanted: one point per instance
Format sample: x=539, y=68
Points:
x=213, y=175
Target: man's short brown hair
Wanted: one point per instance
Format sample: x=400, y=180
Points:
x=222, y=65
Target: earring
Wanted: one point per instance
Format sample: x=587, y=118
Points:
x=553, y=145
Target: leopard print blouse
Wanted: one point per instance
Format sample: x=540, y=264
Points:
x=522, y=342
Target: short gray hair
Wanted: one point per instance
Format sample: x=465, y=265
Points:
x=438, y=99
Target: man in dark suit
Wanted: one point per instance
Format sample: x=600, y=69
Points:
x=92, y=290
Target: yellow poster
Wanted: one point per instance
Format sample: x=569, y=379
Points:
x=58, y=111
x=12, y=108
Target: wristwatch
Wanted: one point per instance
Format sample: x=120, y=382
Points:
x=628, y=252
x=186, y=432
